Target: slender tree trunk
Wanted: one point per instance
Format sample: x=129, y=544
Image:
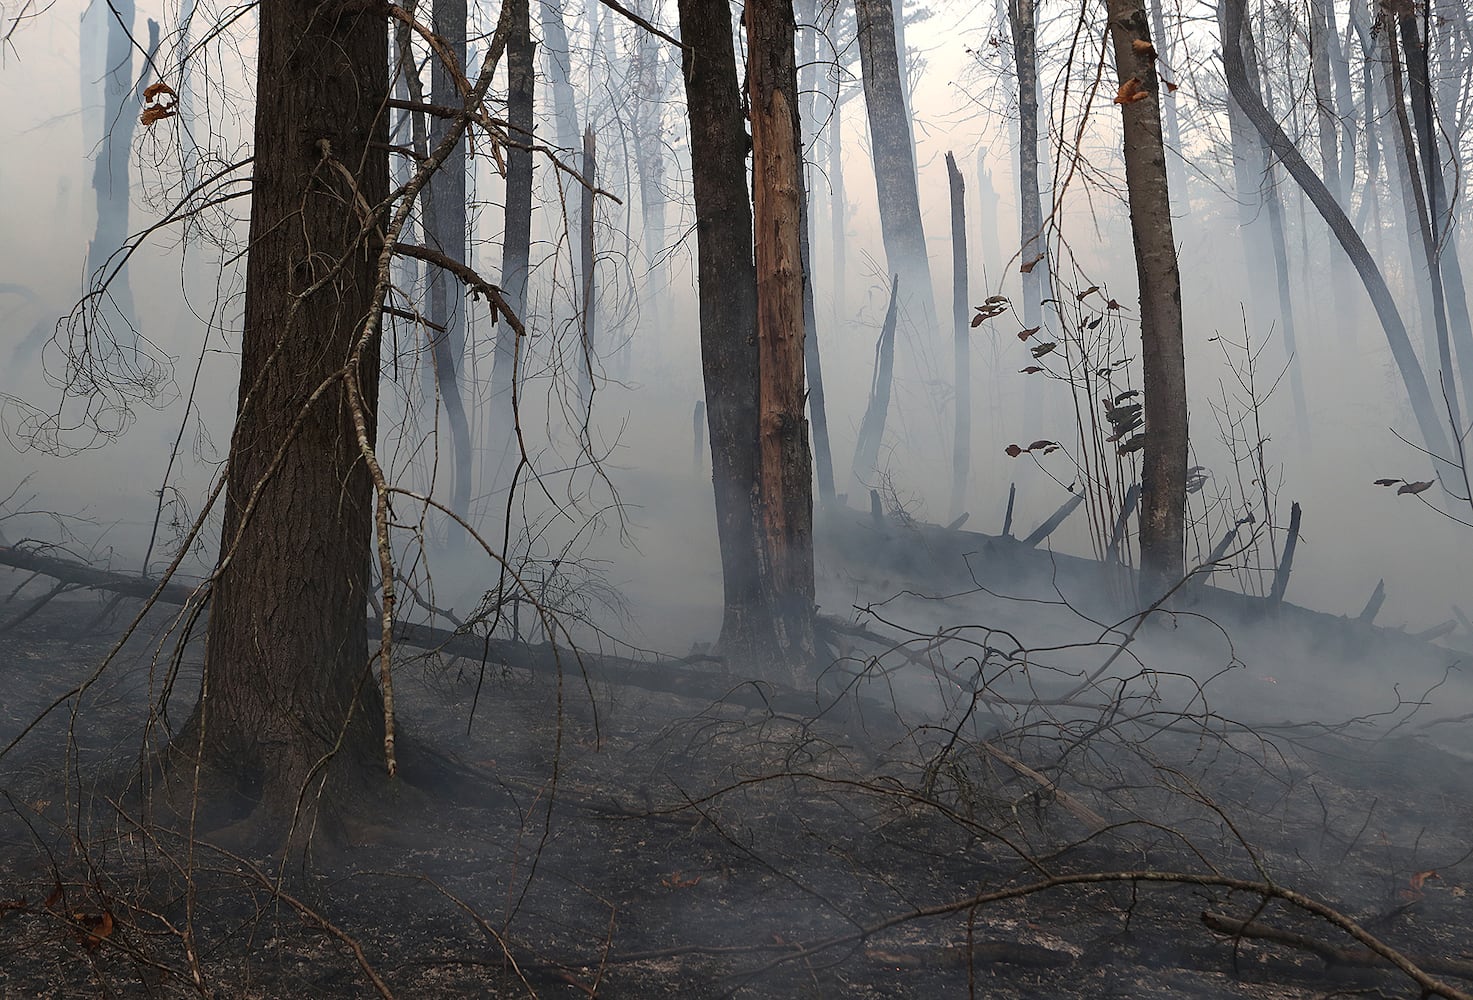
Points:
x=1428, y=420
x=1447, y=275
x=1175, y=173
x=890, y=145
x=839, y=205
x=727, y=280
x=516, y=246
x=1164, y=468
x=1273, y=206
x=864, y=472
x=446, y=231
x=288, y=706
x=1034, y=248
x=961, y=443
x=589, y=298
x=785, y=476
x=989, y=224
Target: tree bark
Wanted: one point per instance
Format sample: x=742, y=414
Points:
x=516, y=244
x=785, y=476
x=890, y=146
x=727, y=280
x=288, y=706
x=1164, y=468
x=445, y=230
x=588, y=300
x=1034, y=262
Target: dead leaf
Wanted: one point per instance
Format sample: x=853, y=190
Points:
x=1041, y=349
x=977, y=320
x=156, y=89
x=93, y=930
x=1131, y=91
x=54, y=898
x=1013, y=451
x=1420, y=879
x=1112, y=304
x=676, y=881
x=1134, y=444
x=1143, y=48
x=1025, y=334
x=1028, y=267
x=1387, y=482
x=1041, y=444
x=1030, y=370
x=1413, y=487
x=1171, y=88
x=1088, y=291
x=155, y=113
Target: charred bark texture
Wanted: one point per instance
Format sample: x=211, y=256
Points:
x=1164, y=469
x=288, y=705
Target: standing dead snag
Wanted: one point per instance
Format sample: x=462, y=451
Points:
x=1164, y=471
x=784, y=481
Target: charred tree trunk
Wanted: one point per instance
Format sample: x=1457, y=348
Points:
x=288, y=706
x=727, y=280
x=445, y=230
x=890, y=145
x=961, y=443
x=1164, y=470
x=516, y=246
x=785, y=476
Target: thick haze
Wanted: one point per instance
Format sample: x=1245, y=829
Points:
x=188, y=297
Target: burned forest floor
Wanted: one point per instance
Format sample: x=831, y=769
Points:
x=1041, y=801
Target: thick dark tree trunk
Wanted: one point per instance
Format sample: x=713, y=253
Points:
x=1429, y=421
x=445, y=230
x=785, y=471
x=1164, y=469
x=288, y=706
x=961, y=444
x=727, y=280
x=516, y=243
x=891, y=146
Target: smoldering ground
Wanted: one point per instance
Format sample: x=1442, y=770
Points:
x=992, y=723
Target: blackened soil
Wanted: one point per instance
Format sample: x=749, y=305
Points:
x=615, y=843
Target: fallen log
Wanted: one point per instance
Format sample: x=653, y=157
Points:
x=85, y=576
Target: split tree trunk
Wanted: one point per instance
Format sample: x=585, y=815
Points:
x=1164, y=469
x=785, y=477
x=288, y=705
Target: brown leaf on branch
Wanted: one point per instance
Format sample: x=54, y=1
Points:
x=154, y=90
x=1413, y=487
x=1387, y=482
x=93, y=930
x=155, y=113
x=1171, y=88
x=1044, y=348
x=1028, y=267
x=1013, y=451
x=1131, y=91
x=1080, y=297
x=1143, y=48
x=1025, y=334
x=1030, y=370
x=1042, y=444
